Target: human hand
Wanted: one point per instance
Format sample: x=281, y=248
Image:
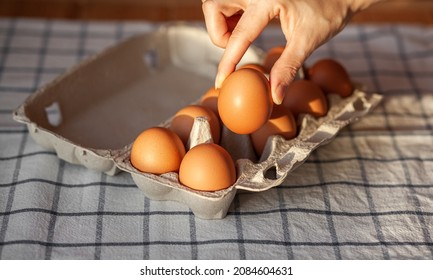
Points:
x=306, y=24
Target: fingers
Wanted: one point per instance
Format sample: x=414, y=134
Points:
x=219, y=22
x=283, y=72
x=250, y=25
x=305, y=24
x=298, y=48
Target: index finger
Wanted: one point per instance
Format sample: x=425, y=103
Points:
x=249, y=27
x=215, y=24
x=220, y=21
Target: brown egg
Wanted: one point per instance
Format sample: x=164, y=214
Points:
x=157, y=150
x=282, y=122
x=256, y=66
x=331, y=77
x=245, y=102
x=184, y=119
x=207, y=167
x=210, y=100
x=272, y=55
x=305, y=97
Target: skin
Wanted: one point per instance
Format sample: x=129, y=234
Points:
x=306, y=24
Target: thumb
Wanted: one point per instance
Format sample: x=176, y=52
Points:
x=285, y=69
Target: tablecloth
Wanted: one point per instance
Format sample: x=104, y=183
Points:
x=366, y=195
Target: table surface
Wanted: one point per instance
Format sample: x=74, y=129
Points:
x=366, y=195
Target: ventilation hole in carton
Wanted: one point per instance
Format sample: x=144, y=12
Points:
x=150, y=58
x=318, y=136
x=358, y=105
x=271, y=173
x=54, y=115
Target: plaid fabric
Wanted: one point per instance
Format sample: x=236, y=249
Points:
x=366, y=195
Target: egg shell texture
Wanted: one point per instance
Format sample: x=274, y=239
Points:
x=305, y=97
x=245, y=101
x=157, y=150
x=207, y=167
x=331, y=76
x=282, y=122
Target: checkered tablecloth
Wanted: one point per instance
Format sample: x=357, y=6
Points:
x=366, y=195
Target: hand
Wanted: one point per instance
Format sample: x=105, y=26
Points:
x=306, y=24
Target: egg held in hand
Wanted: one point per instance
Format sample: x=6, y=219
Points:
x=305, y=97
x=207, y=167
x=282, y=122
x=331, y=77
x=157, y=150
x=245, y=101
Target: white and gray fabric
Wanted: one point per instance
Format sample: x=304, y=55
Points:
x=366, y=195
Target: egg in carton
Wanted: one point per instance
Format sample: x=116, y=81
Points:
x=279, y=158
x=102, y=104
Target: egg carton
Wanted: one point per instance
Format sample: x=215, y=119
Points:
x=91, y=114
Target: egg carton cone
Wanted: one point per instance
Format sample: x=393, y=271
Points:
x=91, y=114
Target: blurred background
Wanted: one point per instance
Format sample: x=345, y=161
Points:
x=420, y=12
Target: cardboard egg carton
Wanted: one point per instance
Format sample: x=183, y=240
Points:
x=91, y=114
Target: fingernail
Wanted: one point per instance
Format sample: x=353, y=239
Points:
x=219, y=80
x=278, y=94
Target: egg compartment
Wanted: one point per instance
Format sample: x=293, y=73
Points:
x=207, y=205
x=91, y=114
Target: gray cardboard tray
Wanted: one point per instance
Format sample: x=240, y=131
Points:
x=91, y=115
